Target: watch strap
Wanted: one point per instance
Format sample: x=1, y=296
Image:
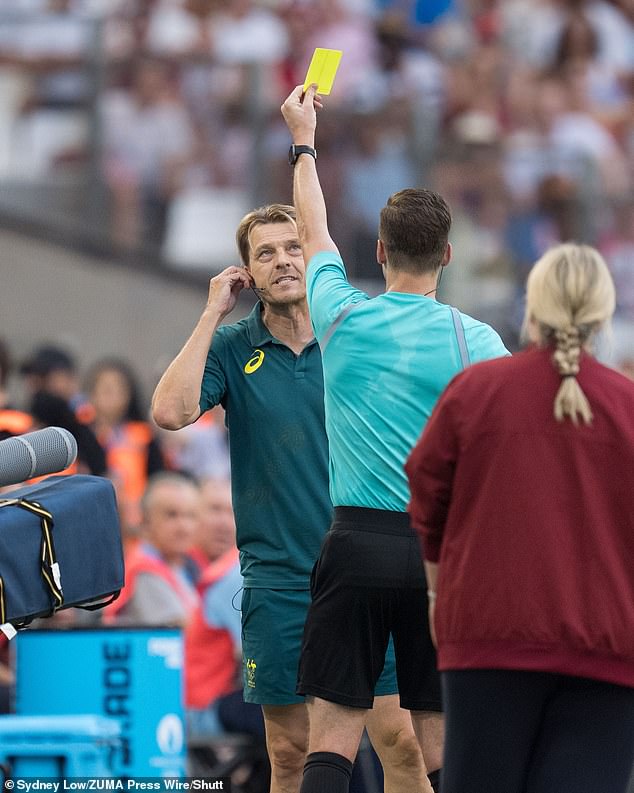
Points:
x=295, y=151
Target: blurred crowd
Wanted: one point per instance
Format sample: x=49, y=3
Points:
x=105, y=410
x=174, y=499
x=518, y=111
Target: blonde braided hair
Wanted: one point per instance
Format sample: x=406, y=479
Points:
x=570, y=398
x=569, y=296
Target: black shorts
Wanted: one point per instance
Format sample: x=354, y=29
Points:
x=369, y=582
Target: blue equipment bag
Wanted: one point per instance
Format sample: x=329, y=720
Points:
x=60, y=546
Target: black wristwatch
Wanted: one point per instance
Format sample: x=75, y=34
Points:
x=295, y=151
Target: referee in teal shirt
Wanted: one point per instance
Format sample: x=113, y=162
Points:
x=386, y=361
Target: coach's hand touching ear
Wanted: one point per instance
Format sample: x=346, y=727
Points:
x=224, y=289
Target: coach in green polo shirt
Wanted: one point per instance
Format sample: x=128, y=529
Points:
x=266, y=372
x=274, y=406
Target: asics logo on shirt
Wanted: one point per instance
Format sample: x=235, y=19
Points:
x=254, y=362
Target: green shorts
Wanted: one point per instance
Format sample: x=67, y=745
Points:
x=272, y=631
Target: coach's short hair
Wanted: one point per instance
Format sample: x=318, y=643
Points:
x=271, y=213
x=414, y=228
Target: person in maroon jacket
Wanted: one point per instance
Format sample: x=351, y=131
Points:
x=522, y=493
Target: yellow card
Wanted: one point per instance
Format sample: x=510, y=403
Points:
x=322, y=70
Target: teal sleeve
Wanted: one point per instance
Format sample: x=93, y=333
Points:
x=484, y=343
x=328, y=291
x=214, y=384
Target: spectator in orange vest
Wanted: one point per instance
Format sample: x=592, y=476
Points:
x=159, y=588
x=213, y=647
x=132, y=450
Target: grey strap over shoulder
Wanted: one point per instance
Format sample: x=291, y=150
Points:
x=340, y=317
x=462, y=342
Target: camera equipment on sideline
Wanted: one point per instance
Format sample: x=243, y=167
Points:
x=36, y=454
x=60, y=540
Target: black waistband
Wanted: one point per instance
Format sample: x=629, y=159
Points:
x=366, y=519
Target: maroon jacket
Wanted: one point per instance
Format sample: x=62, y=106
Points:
x=532, y=520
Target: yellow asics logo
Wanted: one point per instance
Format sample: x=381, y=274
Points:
x=255, y=362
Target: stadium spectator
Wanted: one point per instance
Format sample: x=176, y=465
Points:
x=52, y=384
x=577, y=57
x=378, y=165
x=54, y=370
x=213, y=641
x=216, y=533
x=173, y=30
x=562, y=140
x=145, y=130
x=405, y=70
x=201, y=449
x=159, y=588
x=617, y=245
x=122, y=428
x=532, y=29
x=351, y=30
x=241, y=31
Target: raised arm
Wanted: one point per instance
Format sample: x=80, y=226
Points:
x=299, y=111
x=175, y=403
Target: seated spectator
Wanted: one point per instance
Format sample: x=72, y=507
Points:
x=242, y=32
x=53, y=384
x=577, y=56
x=377, y=167
x=213, y=647
x=145, y=131
x=532, y=29
x=201, y=449
x=561, y=139
x=52, y=369
x=159, y=588
x=346, y=29
x=53, y=46
x=133, y=452
x=617, y=245
x=217, y=530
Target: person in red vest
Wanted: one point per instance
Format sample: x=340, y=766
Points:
x=213, y=646
x=159, y=587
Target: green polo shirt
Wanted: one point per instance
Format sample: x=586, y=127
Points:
x=274, y=403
